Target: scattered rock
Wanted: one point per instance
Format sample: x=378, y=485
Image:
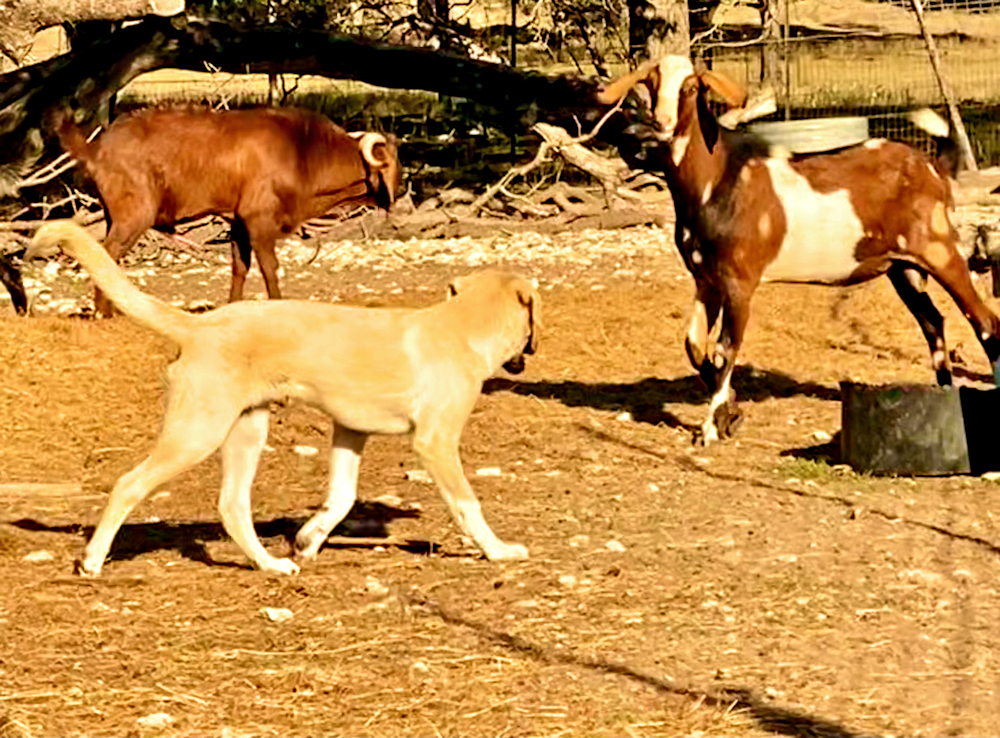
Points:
x=822, y=436
x=36, y=557
x=614, y=546
x=567, y=580
x=306, y=450
x=419, y=475
x=277, y=614
x=156, y=721
x=488, y=471
x=374, y=587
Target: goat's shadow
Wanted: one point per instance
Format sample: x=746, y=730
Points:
x=367, y=521
x=645, y=398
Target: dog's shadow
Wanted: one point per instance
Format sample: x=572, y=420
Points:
x=645, y=398
x=368, y=523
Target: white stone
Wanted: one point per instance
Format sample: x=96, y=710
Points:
x=277, y=614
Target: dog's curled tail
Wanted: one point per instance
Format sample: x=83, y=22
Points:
x=144, y=309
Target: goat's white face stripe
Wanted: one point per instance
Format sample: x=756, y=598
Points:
x=678, y=147
x=673, y=71
x=822, y=233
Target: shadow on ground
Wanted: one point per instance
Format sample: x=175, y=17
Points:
x=645, y=398
x=367, y=521
x=768, y=716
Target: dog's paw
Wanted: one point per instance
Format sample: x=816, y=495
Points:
x=307, y=546
x=82, y=569
x=279, y=566
x=507, y=552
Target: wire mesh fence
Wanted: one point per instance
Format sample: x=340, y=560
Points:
x=868, y=58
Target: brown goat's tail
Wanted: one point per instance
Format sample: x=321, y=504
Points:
x=143, y=309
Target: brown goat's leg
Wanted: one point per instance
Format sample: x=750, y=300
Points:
x=268, y=262
x=910, y=284
x=121, y=237
x=707, y=302
x=953, y=275
x=262, y=233
x=242, y=253
x=723, y=415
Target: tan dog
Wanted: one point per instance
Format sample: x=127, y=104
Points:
x=373, y=370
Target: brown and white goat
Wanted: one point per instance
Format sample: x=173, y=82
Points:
x=267, y=168
x=747, y=213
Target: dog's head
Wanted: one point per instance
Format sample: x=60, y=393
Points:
x=517, y=303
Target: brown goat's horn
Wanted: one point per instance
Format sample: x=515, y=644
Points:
x=617, y=89
x=367, y=143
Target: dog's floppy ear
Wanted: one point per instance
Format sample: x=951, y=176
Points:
x=528, y=297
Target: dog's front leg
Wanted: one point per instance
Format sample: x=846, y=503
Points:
x=439, y=455
x=240, y=453
x=345, y=457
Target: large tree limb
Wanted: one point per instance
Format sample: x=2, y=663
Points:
x=85, y=79
x=22, y=19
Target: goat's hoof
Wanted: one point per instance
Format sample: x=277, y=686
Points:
x=705, y=436
x=728, y=418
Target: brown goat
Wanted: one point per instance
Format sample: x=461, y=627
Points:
x=267, y=168
x=746, y=213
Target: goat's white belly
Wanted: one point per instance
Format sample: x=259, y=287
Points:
x=822, y=233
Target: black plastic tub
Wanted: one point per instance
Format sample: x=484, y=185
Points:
x=920, y=430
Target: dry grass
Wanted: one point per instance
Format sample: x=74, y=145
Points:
x=742, y=595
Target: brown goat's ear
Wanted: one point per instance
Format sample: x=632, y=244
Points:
x=728, y=89
x=706, y=119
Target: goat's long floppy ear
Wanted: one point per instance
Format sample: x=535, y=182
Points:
x=527, y=296
x=706, y=119
x=619, y=88
x=728, y=89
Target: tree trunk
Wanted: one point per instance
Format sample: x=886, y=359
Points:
x=773, y=51
x=658, y=27
x=22, y=19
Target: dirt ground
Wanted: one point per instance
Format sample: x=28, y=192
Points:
x=755, y=587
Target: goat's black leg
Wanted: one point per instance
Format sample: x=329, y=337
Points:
x=723, y=415
x=242, y=254
x=910, y=283
x=10, y=276
x=707, y=303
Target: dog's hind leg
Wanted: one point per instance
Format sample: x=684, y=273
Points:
x=438, y=452
x=345, y=458
x=194, y=425
x=240, y=453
